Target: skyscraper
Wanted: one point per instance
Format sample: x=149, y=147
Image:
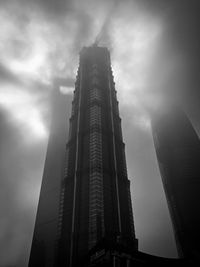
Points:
x=47, y=219
x=92, y=202
x=178, y=152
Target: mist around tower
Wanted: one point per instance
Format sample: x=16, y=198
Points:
x=154, y=50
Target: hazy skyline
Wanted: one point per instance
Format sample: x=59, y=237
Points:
x=155, y=51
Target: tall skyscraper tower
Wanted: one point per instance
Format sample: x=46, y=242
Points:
x=47, y=219
x=178, y=152
x=94, y=192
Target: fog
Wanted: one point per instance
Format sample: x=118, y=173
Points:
x=155, y=50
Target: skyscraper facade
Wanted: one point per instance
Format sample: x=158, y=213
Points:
x=93, y=202
x=178, y=152
x=47, y=219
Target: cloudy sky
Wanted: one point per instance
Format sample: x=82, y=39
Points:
x=155, y=50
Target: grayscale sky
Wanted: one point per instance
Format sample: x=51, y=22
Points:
x=155, y=51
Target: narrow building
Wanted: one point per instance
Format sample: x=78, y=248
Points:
x=178, y=152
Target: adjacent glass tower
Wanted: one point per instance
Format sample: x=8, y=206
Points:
x=94, y=190
x=178, y=152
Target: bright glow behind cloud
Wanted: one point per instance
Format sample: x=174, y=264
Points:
x=33, y=54
x=42, y=49
x=30, y=64
x=23, y=111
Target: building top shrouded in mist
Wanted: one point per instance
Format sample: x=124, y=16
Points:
x=47, y=219
x=84, y=215
x=178, y=152
x=93, y=201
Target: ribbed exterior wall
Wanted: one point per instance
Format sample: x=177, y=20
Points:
x=97, y=202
